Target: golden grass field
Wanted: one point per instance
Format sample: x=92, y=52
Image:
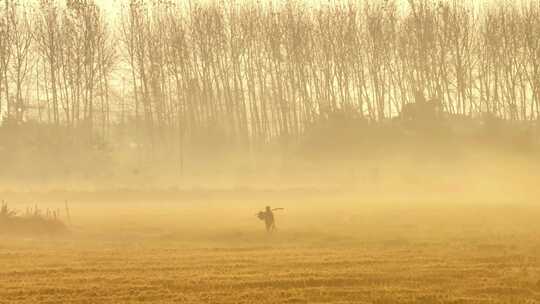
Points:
x=206, y=250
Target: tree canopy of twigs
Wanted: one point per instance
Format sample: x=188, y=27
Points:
x=245, y=73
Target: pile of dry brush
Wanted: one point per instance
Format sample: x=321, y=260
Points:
x=32, y=222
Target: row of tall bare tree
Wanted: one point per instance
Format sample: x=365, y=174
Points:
x=250, y=72
x=56, y=62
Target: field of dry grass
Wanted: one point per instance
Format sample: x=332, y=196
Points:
x=349, y=251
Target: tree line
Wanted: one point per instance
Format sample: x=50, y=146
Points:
x=187, y=73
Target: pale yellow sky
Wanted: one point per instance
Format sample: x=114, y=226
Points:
x=108, y=4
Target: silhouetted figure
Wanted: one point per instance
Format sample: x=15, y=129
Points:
x=268, y=217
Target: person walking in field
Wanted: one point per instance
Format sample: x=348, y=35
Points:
x=268, y=217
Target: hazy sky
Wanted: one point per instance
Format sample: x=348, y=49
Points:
x=112, y=5
x=108, y=4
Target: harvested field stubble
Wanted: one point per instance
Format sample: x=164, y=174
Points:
x=181, y=254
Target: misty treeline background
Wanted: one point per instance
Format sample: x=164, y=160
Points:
x=196, y=89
